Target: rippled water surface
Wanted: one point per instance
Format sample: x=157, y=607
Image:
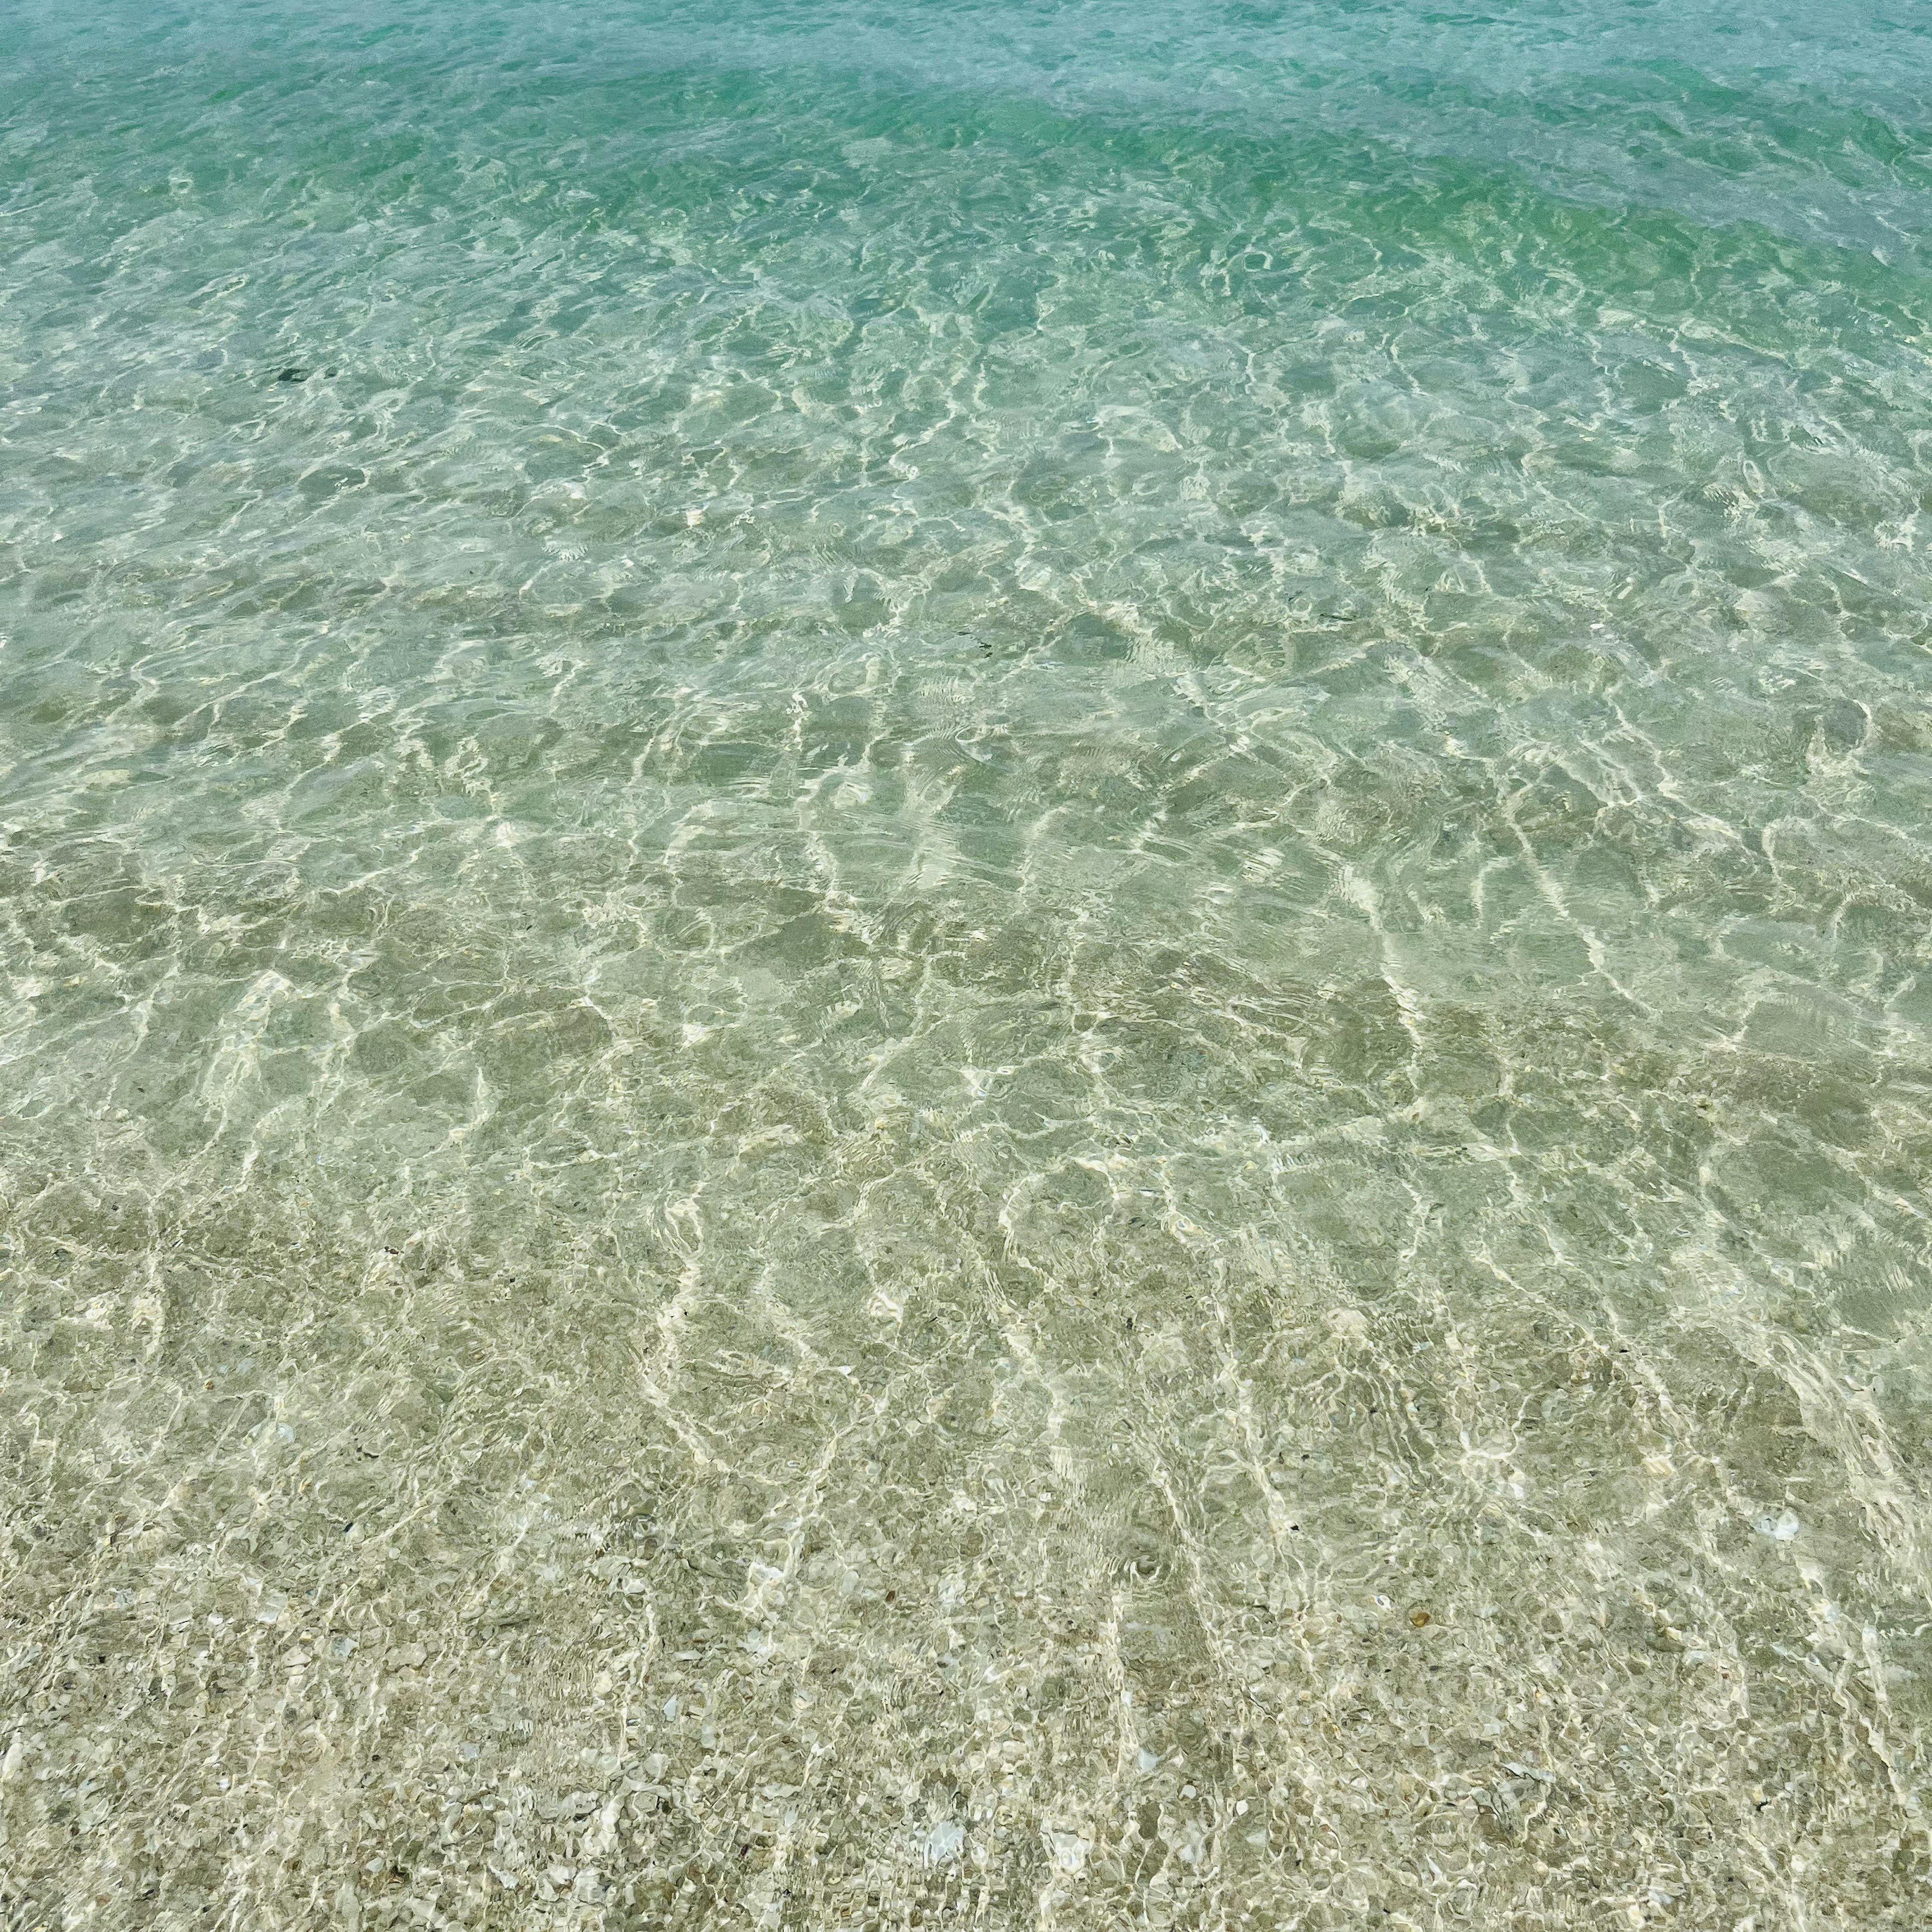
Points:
x=965, y=964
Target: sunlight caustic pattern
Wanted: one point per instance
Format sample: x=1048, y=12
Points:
x=965, y=964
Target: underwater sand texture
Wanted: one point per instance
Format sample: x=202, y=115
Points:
x=964, y=965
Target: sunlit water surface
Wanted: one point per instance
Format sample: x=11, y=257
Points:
x=965, y=965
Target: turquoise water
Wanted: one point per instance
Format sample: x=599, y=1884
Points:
x=965, y=964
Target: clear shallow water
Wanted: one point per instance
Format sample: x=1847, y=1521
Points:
x=993, y=987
